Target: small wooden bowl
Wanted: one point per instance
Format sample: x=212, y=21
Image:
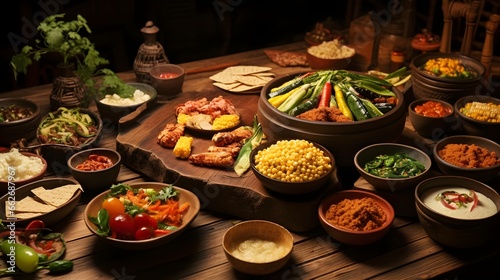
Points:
x=261, y=230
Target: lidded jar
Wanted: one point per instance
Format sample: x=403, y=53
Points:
x=149, y=54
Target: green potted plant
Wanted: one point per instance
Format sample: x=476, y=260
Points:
x=80, y=62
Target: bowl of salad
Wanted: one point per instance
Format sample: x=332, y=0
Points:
x=392, y=166
x=65, y=132
x=142, y=215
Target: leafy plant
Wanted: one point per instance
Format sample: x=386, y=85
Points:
x=66, y=39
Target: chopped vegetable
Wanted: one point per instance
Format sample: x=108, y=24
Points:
x=454, y=200
x=67, y=126
x=161, y=206
x=399, y=165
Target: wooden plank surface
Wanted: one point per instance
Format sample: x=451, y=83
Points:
x=405, y=253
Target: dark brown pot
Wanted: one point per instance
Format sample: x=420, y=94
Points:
x=67, y=89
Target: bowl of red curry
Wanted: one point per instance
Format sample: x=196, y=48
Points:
x=95, y=169
x=356, y=217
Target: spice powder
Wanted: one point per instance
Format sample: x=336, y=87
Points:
x=356, y=214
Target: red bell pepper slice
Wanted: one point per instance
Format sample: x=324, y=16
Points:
x=475, y=200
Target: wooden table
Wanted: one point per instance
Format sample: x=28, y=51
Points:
x=406, y=252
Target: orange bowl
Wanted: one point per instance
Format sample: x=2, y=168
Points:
x=353, y=237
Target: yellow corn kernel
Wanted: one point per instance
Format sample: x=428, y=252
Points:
x=182, y=148
x=292, y=161
x=225, y=121
x=183, y=118
x=482, y=111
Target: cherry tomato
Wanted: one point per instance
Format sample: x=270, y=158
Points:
x=123, y=226
x=143, y=233
x=114, y=206
x=145, y=220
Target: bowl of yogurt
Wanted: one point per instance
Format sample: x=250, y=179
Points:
x=457, y=211
x=113, y=106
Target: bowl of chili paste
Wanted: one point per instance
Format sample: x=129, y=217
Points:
x=95, y=169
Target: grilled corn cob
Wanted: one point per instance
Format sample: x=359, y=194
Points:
x=482, y=111
x=225, y=121
x=183, y=118
x=182, y=148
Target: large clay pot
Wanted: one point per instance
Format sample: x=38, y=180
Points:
x=343, y=140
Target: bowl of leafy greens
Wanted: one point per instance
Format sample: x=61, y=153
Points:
x=392, y=166
x=142, y=215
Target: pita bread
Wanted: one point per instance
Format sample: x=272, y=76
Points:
x=57, y=196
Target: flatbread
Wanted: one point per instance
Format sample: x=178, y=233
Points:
x=31, y=205
x=242, y=78
x=57, y=196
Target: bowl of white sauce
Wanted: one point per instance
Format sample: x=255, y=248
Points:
x=458, y=212
x=112, y=106
x=257, y=247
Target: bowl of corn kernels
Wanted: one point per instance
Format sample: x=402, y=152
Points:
x=479, y=116
x=292, y=166
x=445, y=76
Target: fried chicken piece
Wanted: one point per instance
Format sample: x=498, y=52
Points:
x=221, y=139
x=325, y=114
x=233, y=149
x=169, y=136
x=218, y=159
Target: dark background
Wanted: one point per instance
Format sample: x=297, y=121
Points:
x=189, y=29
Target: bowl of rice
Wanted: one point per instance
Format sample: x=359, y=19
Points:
x=19, y=168
x=329, y=55
x=112, y=106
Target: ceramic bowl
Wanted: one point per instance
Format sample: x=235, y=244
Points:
x=95, y=205
x=369, y=153
x=291, y=188
x=95, y=180
x=483, y=174
x=318, y=63
x=12, y=131
x=6, y=185
x=167, y=79
x=342, y=139
x=260, y=230
x=111, y=114
x=457, y=228
x=433, y=127
x=49, y=218
x=475, y=127
x=349, y=236
x=57, y=156
x=426, y=85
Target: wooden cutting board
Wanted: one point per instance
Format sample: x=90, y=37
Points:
x=218, y=189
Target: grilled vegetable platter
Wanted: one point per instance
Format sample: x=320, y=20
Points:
x=356, y=96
